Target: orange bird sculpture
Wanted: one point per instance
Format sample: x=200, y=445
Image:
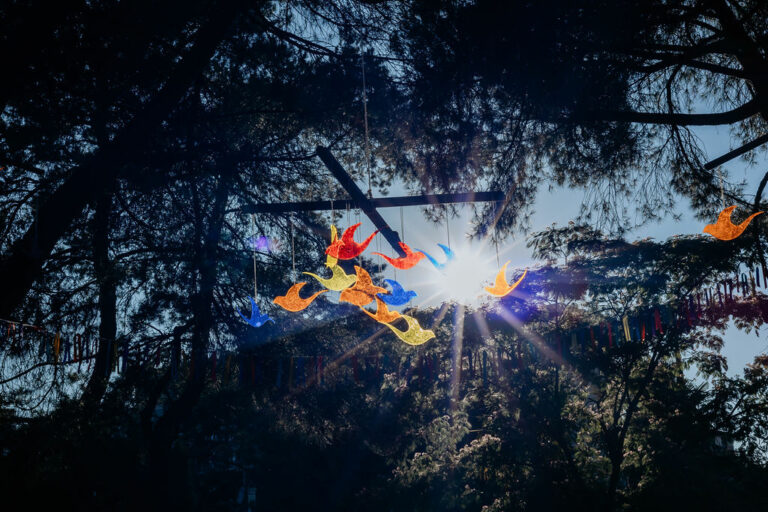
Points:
x=347, y=248
x=364, y=290
x=409, y=260
x=383, y=314
x=724, y=229
x=292, y=301
x=500, y=288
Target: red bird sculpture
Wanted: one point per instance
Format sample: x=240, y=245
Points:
x=409, y=260
x=347, y=248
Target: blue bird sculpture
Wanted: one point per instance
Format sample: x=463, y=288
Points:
x=398, y=297
x=257, y=319
x=449, y=256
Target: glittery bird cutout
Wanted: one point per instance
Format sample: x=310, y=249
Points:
x=399, y=296
x=347, y=248
x=257, y=319
x=292, y=301
x=330, y=261
x=500, y=287
x=409, y=260
x=415, y=335
x=338, y=281
x=449, y=256
x=724, y=229
x=383, y=314
x=364, y=290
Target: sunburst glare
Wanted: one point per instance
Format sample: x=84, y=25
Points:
x=462, y=278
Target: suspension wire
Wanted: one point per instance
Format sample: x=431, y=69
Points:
x=253, y=247
x=378, y=249
x=358, y=234
x=365, y=117
x=293, y=249
x=722, y=188
x=348, y=224
x=496, y=242
x=447, y=227
x=402, y=226
x=330, y=189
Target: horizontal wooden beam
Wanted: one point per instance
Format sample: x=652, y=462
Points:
x=360, y=199
x=378, y=202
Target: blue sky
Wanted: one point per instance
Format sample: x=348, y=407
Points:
x=555, y=206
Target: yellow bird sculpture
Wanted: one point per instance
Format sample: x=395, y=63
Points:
x=415, y=335
x=724, y=228
x=500, y=287
x=340, y=280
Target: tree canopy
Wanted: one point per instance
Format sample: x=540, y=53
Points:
x=133, y=134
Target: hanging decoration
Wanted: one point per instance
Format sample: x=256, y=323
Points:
x=330, y=261
x=257, y=319
x=292, y=301
x=383, y=314
x=363, y=292
x=415, y=335
x=398, y=296
x=340, y=280
x=410, y=259
x=500, y=287
x=449, y=256
x=725, y=229
x=347, y=248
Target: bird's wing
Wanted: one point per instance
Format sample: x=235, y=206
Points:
x=254, y=308
x=501, y=278
x=397, y=288
x=448, y=252
x=725, y=215
x=349, y=234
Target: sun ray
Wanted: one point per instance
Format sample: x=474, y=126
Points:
x=457, y=348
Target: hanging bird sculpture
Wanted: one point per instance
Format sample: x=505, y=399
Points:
x=398, y=296
x=415, y=335
x=449, y=256
x=409, y=260
x=257, y=319
x=292, y=301
x=383, y=314
x=364, y=290
x=500, y=287
x=348, y=249
x=338, y=281
x=724, y=229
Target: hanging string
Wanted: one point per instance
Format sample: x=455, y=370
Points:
x=722, y=188
x=293, y=249
x=496, y=243
x=330, y=189
x=402, y=225
x=358, y=233
x=447, y=228
x=253, y=246
x=378, y=249
x=365, y=118
x=348, y=224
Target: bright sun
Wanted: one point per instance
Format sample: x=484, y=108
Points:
x=462, y=279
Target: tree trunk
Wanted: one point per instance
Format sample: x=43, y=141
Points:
x=613, y=483
x=167, y=426
x=105, y=275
